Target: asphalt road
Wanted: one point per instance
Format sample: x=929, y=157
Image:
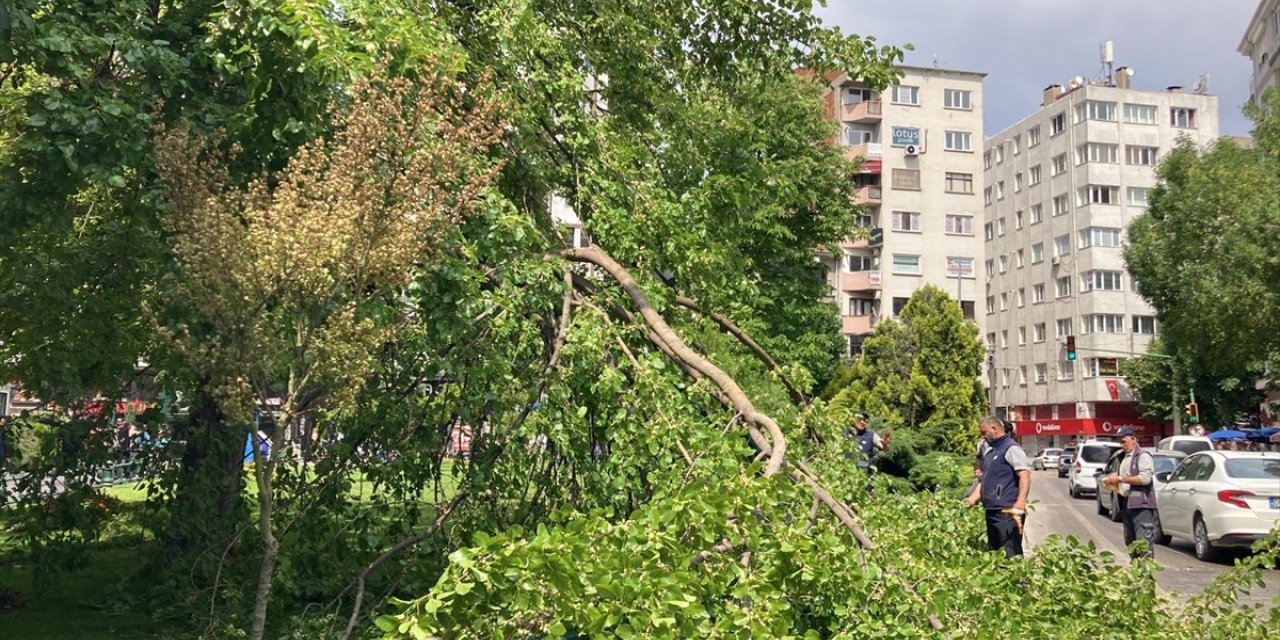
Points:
x=1054, y=511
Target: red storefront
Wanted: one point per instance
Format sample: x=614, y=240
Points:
x=1038, y=434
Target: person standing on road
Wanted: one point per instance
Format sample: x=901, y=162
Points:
x=868, y=441
x=1006, y=481
x=1136, y=493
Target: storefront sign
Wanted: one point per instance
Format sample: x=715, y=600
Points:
x=1088, y=427
x=905, y=136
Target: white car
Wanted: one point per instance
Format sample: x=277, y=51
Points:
x=1045, y=459
x=1185, y=444
x=1221, y=499
x=1090, y=457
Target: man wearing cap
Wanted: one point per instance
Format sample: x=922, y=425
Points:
x=1006, y=481
x=868, y=441
x=1136, y=492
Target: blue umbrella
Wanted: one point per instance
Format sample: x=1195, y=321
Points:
x=1264, y=433
x=1227, y=434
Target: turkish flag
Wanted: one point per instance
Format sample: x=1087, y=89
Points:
x=1113, y=388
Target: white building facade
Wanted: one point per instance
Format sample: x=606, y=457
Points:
x=1061, y=188
x=1261, y=44
x=919, y=185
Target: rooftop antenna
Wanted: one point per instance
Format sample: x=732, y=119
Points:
x=1108, y=55
x=1202, y=87
x=938, y=64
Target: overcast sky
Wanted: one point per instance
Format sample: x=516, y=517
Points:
x=1026, y=45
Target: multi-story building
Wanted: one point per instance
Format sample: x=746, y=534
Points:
x=918, y=185
x=1261, y=44
x=1062, y=186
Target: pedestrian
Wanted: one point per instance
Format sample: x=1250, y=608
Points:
x=869, y=442
x=1006, y=481
x=1136, y=492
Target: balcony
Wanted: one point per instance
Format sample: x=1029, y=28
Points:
x=868, y=195
x=867, y=111
x=860, y=281
x=854, y=325
x=869, y=151
x=875, y=238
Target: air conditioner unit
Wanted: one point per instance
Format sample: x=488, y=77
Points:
x=1057, y=259
x=912, y=151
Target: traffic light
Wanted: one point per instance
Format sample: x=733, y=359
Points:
x=1071, y=347
x=1193, y=412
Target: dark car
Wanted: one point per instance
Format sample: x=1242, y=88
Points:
x=1065, y=460
x=1109, y=502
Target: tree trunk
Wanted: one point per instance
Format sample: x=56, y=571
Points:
x=210, y=480
x=270, y=546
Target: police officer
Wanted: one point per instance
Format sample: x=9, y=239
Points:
x=1006, y=481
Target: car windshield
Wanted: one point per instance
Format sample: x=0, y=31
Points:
x=1068, y=452
x=1049, y=453
x=1255, y=468
x=1191, y=446
x=1166, y=463
x=1095, y=455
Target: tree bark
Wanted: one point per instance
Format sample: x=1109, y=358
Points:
x=209, y=488
x=266, y=535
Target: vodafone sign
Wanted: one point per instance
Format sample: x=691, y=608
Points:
x=1087, y=426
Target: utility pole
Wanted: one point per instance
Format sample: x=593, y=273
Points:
x=1177, y=413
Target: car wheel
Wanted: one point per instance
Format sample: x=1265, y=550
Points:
x=1204, y=550
x=1161, y=537
x=1115, y=509
x=1102, y=511
x=1075, y=491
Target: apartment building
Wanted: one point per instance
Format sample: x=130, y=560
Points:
x=918, y=187
x=1061, y=187
x=1261, y=45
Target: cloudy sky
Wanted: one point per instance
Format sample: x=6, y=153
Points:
x=1026, y=45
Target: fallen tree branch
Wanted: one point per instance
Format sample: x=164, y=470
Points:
x=388, y=554
x=776, y=446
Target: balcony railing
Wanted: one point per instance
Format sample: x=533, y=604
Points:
x=869, y=150
x=865, y=111
x=867, y=195
x=853, y=325
x=860, y=281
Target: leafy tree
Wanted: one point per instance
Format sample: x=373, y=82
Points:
x=1202, y=254
x=921, y=370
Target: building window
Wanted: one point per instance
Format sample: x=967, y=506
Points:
x=906, y=221
x=1062, y=245
x=1004, y=264
x=1138, y=196
x=861, y=306
x=898, y=305
x=1098, y=194
x=1103, y=323
x=1000, y=227
x=1037, y=331
x=1182, y=117
x=1037, y=213
x=1020, y=258
x=1021, y=299
x=1004, y=377
x=989, y=230
x=1033, y=136
x=958, y=267
x=991, y=340
x=956, y=99
x=863, y=220
x=1064, y=327
x=1037, y=293
x=1022, y=336
x=1100, y=237
x=859, y=263
x=1098, y=152
x=1061, y=205
x=1034, y=175
x=1017, y=145
x=906, y=264
x=991, y=305
x=1066, y=370
x=1042, y=373
x=1101, y=367
x=1004, y=339
x=1095, y=110
x=1062, y=287
x=1000, y=153
x=1144, y=325
x=958, y=141
x=908, y=179
x=1000, y=190
x=959, y=225
x=1140, y=113
x=966, y=309
x=1100, y=280
x=1058, y=124
x=959, y=182
x=855, y=345
x=1142, y=156
x=905, y=94
x=1017, y=219
x=991, y=267
x=1037, y=253
x=986, y=159
x=1004, y=305
x=1058, y=165
x=986, y=195
x=1017, y=182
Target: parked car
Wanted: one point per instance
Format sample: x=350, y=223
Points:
x=1064, y=461
x=1220, y=499
x=1090, y=457
x=1045, y=458
x=1108, y=500
x=1185, y=444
